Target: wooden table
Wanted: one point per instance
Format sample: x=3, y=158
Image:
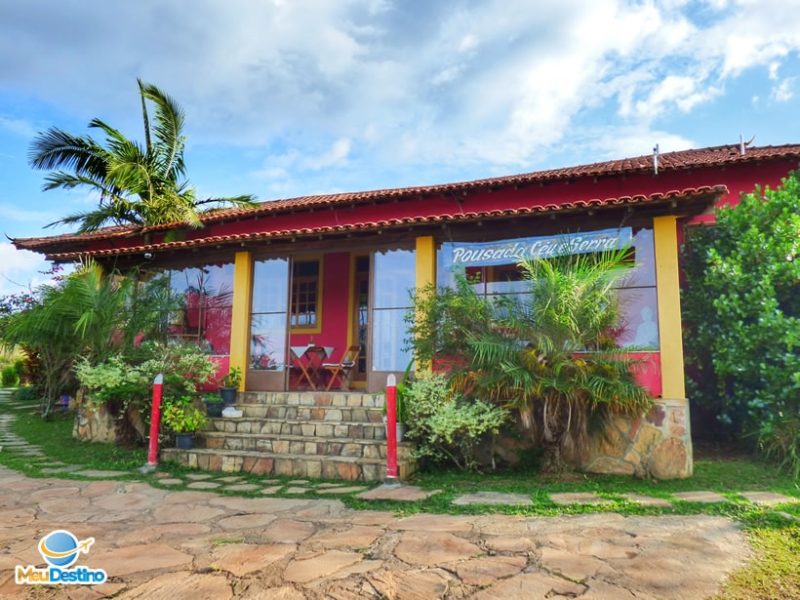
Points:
x=309, y=370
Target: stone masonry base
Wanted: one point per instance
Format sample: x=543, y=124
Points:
x=658, y=444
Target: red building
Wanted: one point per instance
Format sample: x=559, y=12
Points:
x=335, y=271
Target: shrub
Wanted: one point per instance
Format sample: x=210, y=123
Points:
x=742, y=314
x=9, y=377
x=446, y=426
x=550, y=355
x=233, y=379
x=181, y=416
x=124, y=382
x=27, y=394
x=87, y=314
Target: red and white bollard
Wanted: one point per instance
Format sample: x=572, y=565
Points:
x=391, y=431
x=155, y=423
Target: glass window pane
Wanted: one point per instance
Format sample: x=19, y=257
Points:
x=217, y=330
x=639, y=322
x=211, y=284
x=644, y=273
x=268, y=342
x=389, y=332
x=270, y=285
x=395, y=275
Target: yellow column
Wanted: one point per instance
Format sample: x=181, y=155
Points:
x=426, y=269
x=240, y=320
x=426, y=261
x=665, y=233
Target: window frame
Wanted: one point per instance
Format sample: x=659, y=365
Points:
x=317, y=326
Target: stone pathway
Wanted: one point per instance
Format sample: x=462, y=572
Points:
x=9, y=441
x=235, y=484
x=159, y=543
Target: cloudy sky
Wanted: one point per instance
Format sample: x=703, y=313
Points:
x=292, y=97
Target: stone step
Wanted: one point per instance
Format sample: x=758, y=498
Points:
x=330, y=414
x=290, y=465
x=324, y=429
x=298, y=444
x=337, y=399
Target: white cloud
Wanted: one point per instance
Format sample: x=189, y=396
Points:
x=20, y=269
x=500, y=83
x=21, y=215
x=618, y=142
x=19, y=127
x=784, y=91
x=336, y=155
x=674, y=90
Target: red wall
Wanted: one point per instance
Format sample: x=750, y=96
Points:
x=335, y=287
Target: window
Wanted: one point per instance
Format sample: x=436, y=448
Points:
x=491, y=268
x=205, y=297
x=268, y=315
x=394, y=276
x=306, y=296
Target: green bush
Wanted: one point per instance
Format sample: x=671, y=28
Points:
x=27, y=394
x=742, y=314
x=549, y=354
x=181, y=416
x=9, y=377
x=124, y=382
x=448, y=427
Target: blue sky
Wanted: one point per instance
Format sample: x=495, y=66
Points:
x=294, y=97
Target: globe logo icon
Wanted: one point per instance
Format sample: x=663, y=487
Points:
x=61, y=548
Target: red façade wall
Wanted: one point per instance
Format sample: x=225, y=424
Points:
x=335, y=296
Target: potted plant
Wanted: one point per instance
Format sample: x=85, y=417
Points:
x=184, y=419
x=213, y=404
x=230, y=386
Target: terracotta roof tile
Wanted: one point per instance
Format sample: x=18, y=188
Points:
x=685, y=195
x=669, y=161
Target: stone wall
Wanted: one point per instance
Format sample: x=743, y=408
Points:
x=94, y=424
x=658, y=444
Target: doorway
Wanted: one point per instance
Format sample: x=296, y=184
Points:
x=360, y=318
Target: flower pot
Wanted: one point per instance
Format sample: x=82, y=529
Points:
x=184, y=441
x=228, y=395
x=214, y=409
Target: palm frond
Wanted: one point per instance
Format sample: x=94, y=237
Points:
x=242, y=201
x=169, y=121
x=57, y=149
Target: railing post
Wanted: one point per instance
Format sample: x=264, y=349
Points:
x=155, y=421
x=391, y=430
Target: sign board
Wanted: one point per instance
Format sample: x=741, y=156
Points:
x=485, y=254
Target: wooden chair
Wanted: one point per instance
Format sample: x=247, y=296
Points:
x=343, y=368
x=297, y=362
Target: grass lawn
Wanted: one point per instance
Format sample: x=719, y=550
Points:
x=772, y=574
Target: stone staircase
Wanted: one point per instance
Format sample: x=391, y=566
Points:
x=337, y=435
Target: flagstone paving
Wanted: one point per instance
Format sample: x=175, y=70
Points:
x=702, y=497
x=493, y=498
x=157, y=543
x=767, y=498
x=577, y=498
x=647, y=500
x=401, y=493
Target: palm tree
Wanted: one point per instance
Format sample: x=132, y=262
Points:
x=137, y=185
x=553, y=356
